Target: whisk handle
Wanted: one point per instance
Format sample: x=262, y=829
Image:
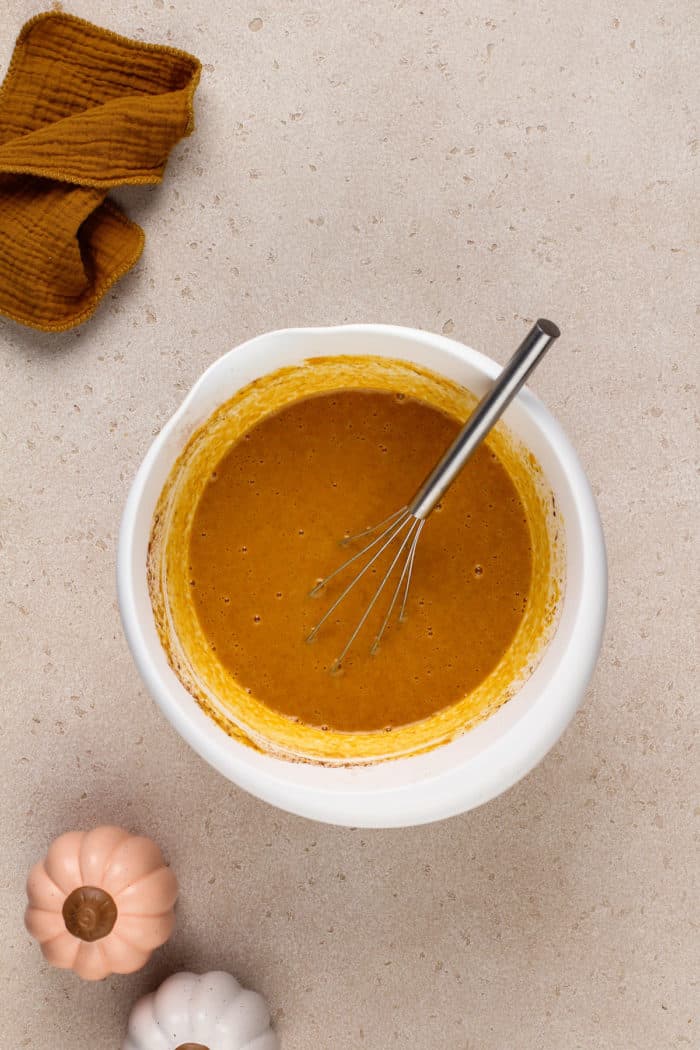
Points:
x=491, y=407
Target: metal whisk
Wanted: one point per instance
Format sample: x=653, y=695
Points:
x=404, y=526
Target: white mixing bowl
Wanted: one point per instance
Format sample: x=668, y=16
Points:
x=487, y=759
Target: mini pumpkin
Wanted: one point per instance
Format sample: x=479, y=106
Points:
x=208, y=1011
x=100, y=902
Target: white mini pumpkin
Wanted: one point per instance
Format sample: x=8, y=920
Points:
x=208, y=1011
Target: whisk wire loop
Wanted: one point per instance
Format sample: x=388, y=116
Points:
x=406, y=524
x=392, y=531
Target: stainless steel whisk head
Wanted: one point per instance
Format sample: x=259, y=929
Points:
x=403, y=528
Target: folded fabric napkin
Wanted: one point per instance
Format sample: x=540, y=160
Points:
x=81, y=110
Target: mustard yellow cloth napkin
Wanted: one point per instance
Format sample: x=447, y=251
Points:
x=81, y=110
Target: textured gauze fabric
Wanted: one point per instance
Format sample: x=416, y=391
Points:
x=81, y=110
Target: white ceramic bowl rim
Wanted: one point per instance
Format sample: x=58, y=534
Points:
x=456, y=776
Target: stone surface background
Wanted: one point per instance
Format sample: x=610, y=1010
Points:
x=451, y=166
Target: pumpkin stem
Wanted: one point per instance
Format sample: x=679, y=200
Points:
x=191, y=1046
x=89, y=913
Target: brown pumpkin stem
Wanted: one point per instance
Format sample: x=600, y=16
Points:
x=89, y=913
x=191, y=1046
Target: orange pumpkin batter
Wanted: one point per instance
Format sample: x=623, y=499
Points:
x=268, y=524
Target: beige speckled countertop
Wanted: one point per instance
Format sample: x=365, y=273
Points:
x=454, y=167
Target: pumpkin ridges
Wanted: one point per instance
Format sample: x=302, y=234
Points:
x=54, y=937
x=96, y=851
x=212, y=996
x=90, y=962
x=122, y=956
x=66, y=912
x=153, y=894
x=247, y=1017
x=200, y=1011
x=144, y=1024
x=42, y=891
x=61, y=951
x=44, y=925
x=61, y=862
x=145, y=932
x=171, y=1002
x=135, y=857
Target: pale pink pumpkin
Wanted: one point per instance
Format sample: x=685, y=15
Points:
x=100, y=902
